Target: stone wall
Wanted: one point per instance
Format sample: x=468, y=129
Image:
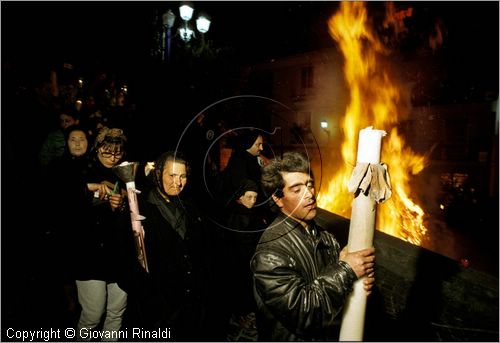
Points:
x=421, y=295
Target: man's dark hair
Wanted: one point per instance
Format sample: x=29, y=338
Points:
x=272, y=179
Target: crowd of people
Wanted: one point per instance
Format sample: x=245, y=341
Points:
x=250, y=250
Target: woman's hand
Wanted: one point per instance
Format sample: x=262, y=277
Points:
x=104, y=189
x=115, y=200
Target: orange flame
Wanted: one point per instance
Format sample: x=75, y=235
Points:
x=376, y=100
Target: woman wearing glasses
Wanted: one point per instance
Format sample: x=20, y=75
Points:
x=100, y=244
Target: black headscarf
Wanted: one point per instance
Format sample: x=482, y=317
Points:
x=248, y=138
x=160, y=162
x=172, y=210
x=247, y=185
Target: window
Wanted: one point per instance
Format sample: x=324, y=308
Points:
x=307, y=77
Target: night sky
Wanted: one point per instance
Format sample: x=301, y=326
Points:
x=117, y=37
x=120, y=33
x=117, y=32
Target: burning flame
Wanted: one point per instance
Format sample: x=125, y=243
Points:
x=375, y=100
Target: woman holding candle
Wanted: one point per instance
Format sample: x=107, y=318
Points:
x=101, y=248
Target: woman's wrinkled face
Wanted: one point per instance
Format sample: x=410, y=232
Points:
x=174, y=178
x=248, y=199
x=110, y=155
x=77, y=143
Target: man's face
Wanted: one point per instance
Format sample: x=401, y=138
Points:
x=108, y=156
x=174, y=178
x=248, y=199
x=66, y=121
x=77, y=143
x=257, y=146
x=298, y=199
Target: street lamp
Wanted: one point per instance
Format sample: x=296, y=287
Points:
x=168, y=19
x=324, y=125
x=185, y=31
x=186, y=12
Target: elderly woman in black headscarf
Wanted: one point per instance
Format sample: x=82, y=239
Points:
x=178, y=251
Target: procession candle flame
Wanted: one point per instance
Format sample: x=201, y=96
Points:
x=377, y=100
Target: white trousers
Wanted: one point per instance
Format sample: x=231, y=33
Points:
x=97, y=297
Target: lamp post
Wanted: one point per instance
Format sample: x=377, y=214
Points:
x=185, y=31
x=324, y=126
x=168, y=22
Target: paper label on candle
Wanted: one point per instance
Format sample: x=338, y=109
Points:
x=369, y=144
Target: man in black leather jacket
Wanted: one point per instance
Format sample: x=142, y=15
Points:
x=301, y=276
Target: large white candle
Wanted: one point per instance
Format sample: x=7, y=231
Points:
x=361, y=230
x=369, y=144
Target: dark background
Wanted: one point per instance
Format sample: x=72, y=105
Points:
x=119, y=34
x=118, y=37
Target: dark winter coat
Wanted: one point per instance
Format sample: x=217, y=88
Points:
x=102, y=242
x=66, y=210
x=245, y=226
x=180, y=276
